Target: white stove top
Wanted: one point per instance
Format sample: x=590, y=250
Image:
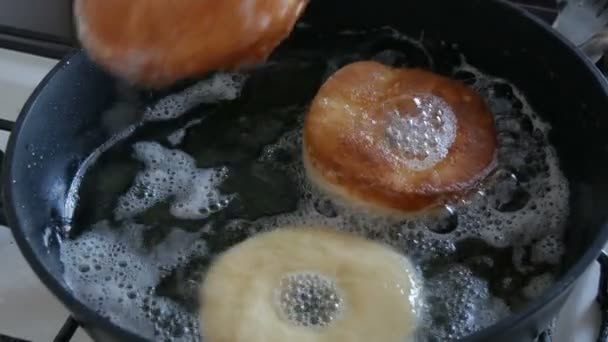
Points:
x=29, y=311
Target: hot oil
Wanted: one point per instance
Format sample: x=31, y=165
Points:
x=173, y=195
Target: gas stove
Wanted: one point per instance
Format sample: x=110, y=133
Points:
x=31, y=43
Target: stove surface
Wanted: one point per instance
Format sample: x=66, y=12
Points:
x=27, y=309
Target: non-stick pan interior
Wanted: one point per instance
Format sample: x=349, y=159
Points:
x=63, y=123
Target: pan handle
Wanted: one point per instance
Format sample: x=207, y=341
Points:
x=3, y=221
x=602, y=296
x=5, y=125
x=67, y=330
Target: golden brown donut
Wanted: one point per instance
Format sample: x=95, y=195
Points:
x=304, y=284
x=157, y=42
x=356, y=135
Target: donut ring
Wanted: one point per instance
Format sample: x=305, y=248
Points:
x=358, y=114
x=156, y=42
x=248, y=292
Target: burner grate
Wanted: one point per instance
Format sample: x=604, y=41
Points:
x=4, y=338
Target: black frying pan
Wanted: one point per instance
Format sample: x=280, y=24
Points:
x=62, y=122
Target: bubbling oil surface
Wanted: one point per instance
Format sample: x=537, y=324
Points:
x=419, y=135
x=308, y=299
x=169, y=199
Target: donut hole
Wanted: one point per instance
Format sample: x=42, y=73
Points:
x=419, y=129
x=309, y=299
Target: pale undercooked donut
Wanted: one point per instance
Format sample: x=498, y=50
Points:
x=157, y=42
x=397, y=140
x=309, y=284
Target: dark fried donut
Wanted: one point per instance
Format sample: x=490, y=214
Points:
x=157, y=42
x=397, y=140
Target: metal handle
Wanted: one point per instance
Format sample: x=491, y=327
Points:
x=5, y=338
x=5, y=125
x=67, y=330
x=602, y=296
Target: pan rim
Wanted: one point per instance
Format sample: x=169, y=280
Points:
x=563, y=286
x=77, y=308
x=81, y=310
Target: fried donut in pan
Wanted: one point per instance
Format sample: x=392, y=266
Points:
x=304, y=284
x=397, y=140
x=158, y=42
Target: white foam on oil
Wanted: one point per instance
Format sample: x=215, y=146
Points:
x=172, y=175
x=109, y=269
x=420, y=130
x=548, y=249
x=532, y=202
x=72, y=196
x=464, y=300
x=522, y=203
x=178, y=136
x=538, y=285
x=525, y=202
x=308, y=299
x=496, y=213
x=219, y=87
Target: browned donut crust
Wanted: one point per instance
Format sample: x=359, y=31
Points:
x=157, y=42
x=344, y=162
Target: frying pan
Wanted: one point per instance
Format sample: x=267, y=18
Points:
x=62, y=122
